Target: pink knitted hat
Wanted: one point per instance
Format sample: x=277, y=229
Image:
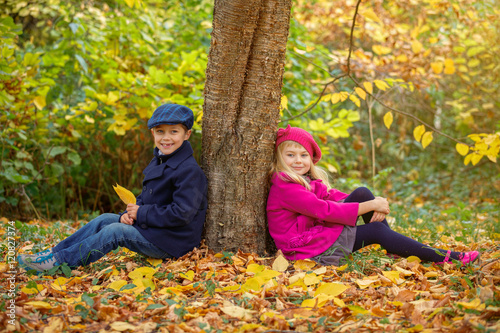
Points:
x=302, y=137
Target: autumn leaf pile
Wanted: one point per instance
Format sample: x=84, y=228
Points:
x=242, y=292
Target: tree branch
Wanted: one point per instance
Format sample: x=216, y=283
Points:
x=349, y=75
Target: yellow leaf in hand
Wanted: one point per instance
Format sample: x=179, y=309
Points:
x=124, y=194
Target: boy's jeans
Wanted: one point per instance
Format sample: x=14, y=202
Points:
x=103, y=234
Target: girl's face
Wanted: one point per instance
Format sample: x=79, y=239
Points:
x=297, y=158
x=168, y=138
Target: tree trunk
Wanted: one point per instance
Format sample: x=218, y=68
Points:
x=240, y=118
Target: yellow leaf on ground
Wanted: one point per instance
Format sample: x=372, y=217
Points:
x=413, y=259
x=122, y=326
x=388, y=120
x=381, y=50
x=59, y=283
x=154, y=262
x=366, y=282
x=280, y=264
x=304, y=265
x=117, y=285
x=39, y=304
x=125, y=195
x=393, y=276
x=332, y=289
x=143, y=272
x=311, y=279
x=416, y=46
x=35, y=290
x=237, y=311
x=473, y=304
x=189, y=275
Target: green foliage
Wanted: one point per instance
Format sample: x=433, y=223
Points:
x=79, y=82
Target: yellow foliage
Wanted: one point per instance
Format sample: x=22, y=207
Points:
x=426, y=139
x=369, y=87
x=416, y=46
x=382, y=85
x=388, y=120
x=361, y=93
x=418, y=132
x=437, y=67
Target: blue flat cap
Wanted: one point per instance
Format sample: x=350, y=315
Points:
x=171, y=114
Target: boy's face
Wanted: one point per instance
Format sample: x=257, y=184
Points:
x=168, y=138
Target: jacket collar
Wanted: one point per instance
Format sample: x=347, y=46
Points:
x=173, y=160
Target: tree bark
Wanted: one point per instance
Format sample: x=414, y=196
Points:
x=240, y=116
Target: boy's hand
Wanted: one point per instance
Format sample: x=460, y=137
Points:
x=125, y=219
x=132, y=211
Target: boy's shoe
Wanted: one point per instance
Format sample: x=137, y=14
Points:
x=465, y=258
x=39, y=262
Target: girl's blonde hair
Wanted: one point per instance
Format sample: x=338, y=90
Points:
x=279, y=165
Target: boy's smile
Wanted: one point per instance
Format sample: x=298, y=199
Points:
x=168, y=138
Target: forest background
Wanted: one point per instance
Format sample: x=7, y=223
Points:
x=80, y=79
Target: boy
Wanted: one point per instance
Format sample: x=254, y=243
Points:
x=167, y=219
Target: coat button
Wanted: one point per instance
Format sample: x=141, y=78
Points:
x=150, y=191
x=144, y=188
x=144, y=226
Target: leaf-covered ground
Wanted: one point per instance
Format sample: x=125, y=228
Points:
x=242, y=292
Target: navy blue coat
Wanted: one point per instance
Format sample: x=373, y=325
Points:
x=173, y=201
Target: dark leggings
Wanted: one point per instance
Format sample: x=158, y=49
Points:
x=393, y=242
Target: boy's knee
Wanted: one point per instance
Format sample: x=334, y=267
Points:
x=118, y=230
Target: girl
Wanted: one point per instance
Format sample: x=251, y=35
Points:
x=308, y=219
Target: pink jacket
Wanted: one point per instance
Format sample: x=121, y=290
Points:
x=306, y=223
